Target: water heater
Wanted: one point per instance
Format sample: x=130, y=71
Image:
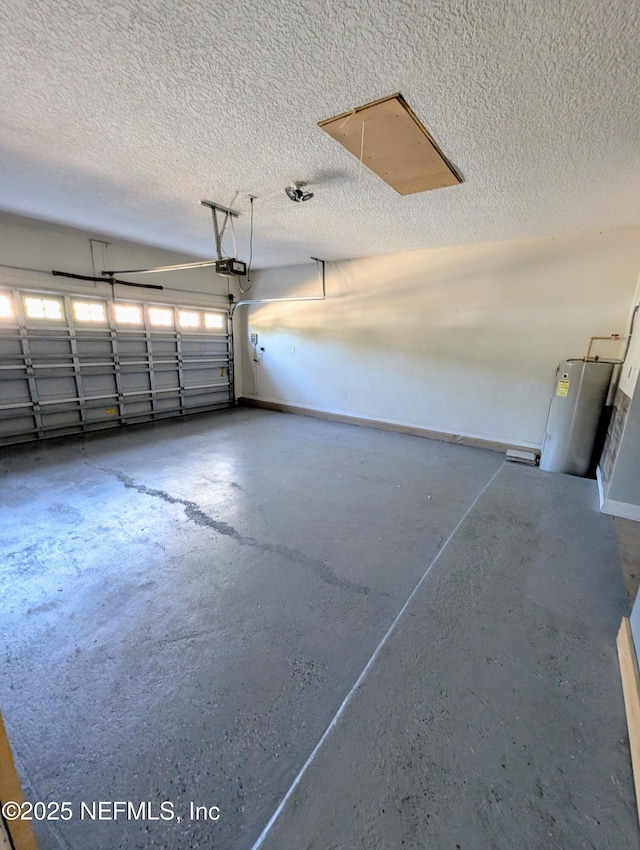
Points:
x=580, y=393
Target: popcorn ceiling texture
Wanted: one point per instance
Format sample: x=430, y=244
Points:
x=120, y=117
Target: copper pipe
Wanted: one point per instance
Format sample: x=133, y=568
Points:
x=614, y=337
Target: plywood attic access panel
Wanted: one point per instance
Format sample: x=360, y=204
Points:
x=395, y=145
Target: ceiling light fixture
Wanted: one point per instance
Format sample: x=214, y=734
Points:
x=296, y=193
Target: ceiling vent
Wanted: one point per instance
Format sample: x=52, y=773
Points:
x=386, y=136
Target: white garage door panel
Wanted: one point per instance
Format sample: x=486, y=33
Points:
x=165, y=379
x=73, y=363
x=15, y=389
x=131, y=380
x=14, y=425
x=55, y=388
x=60, y=418
x=96, y=350
x=165, y=404
x=163, y=348
x=47, y=348
x=98, y=384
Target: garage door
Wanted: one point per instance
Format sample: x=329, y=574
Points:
x=71, y=364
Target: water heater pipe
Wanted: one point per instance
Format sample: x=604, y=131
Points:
x=614, y=337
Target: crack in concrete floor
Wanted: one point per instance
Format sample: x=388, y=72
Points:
x=194, y=513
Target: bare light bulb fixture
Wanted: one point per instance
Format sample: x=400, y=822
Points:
x=296, y=193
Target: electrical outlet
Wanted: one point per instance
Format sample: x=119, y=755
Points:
x=254, y=339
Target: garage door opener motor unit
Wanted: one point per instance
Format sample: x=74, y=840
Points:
x=227, y=266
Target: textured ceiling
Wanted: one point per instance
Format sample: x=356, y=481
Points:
x=121, y=116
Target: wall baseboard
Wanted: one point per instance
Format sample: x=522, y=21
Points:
x=414, y=431
x=624, y=510
x=601, y=495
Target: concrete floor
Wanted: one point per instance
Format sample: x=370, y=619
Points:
x=387, y=641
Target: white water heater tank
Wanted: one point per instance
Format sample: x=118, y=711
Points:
x=579, y=396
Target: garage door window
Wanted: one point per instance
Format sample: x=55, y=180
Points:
x=89, y=311
x=127, y=314
x=214, y=321
x=6, y=311
x=188, y=319
x=43, y=308
x=160, y=318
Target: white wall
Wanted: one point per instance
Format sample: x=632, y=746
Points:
x=619, y=473
x=39, y=247
x=460, y=340
x=629, y=373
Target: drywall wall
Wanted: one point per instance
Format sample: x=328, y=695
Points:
x=459, y=340
x=30, y=249
x=619, y=468
x=624, y=485
x=629, y=372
